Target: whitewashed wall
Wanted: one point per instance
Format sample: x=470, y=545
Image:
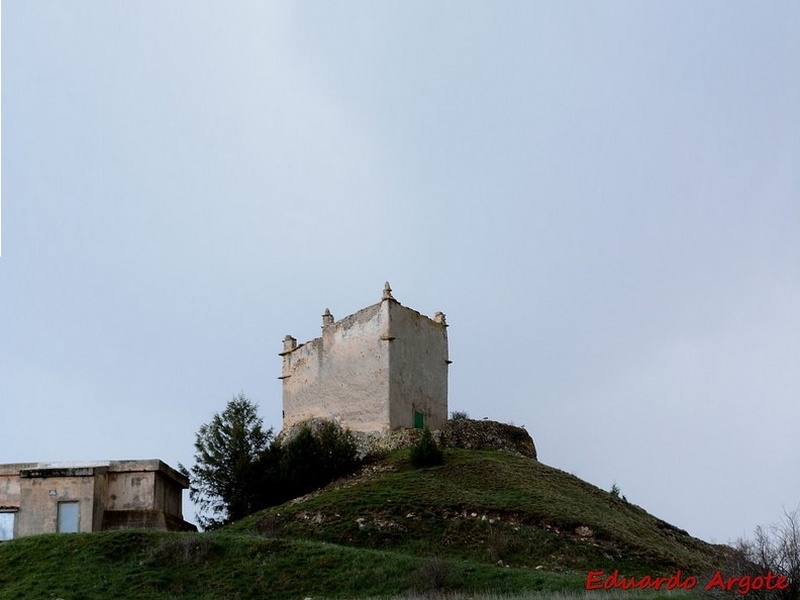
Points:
x=369, y=371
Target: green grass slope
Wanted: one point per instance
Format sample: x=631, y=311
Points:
x=489, y=507
x=484, y=521
x=147, y=565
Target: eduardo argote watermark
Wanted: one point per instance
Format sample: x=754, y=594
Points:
x=599, y=580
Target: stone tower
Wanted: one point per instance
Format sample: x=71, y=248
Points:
x=383, y=367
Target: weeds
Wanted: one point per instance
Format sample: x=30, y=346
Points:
x=499, y=544
x=433, y=575
x=192, y=550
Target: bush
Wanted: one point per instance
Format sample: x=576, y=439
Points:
x=426, y=452
x=459, y=415
x=312, y=459
x=775, y=549
x=339, y=449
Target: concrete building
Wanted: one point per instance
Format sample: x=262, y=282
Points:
x=76, y=497
x=380, y=368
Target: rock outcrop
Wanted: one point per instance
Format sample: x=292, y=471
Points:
x=487, y=435
x=459, y=433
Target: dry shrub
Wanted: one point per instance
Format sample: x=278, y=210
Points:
x=433, y=575
x=268, y=526
x=498, y=543
x=188, y=550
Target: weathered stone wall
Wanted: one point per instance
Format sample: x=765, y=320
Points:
x=369, y=371
x=343, y=376
x=418, y=365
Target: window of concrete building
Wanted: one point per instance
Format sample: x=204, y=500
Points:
x=68, y=517
x=419, y=420
x=7, y=518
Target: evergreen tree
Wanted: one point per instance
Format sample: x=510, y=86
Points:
x=230, y=451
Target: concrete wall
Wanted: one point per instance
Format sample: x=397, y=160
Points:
x=369, y=371
x=10, y=492
x=9, y=484
x=145, y=485
x=41, y=491
x=99, y=498
x=131, y=490
x=117, y=488
x=167, y=496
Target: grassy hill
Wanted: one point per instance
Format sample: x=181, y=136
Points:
x=159, y=566
x=487, y=507
x=483, y=521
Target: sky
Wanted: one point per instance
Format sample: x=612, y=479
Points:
x=602, y=197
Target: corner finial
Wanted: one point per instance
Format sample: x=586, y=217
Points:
x=327, y=317
x=439, y=318
x=387, y=292
x=289, y=344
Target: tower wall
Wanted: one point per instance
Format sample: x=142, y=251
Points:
x=370, y=371
x=343, y=375
x=418, y=365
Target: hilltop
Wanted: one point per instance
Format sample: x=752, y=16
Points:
x=488, y=507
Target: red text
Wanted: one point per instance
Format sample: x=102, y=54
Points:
x=744, y=584
x=596, y=581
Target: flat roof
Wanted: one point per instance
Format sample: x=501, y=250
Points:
x=113, y=466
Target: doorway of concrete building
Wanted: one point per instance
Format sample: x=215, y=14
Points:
x=68, y=514
x=7, y=518
x=419, y=420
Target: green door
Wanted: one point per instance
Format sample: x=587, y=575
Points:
x=419, y=420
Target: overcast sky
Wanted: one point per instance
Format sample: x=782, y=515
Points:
x=603, y=197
